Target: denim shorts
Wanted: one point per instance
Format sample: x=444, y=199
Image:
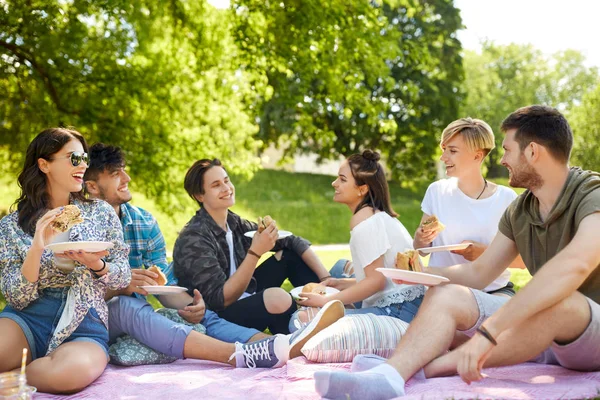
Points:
x=39, y=320
x=405, y=311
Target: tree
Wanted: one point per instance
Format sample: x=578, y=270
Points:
x=585, y=122
x=500, y=79
x=336, y=77
x=157, y=78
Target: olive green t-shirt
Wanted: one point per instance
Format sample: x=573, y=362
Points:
x=538, y=241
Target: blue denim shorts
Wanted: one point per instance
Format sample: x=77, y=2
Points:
x=39, y=320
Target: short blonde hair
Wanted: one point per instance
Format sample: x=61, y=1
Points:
x=477, y=134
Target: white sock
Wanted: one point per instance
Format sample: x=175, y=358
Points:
x=240, y=361
x=393, y=377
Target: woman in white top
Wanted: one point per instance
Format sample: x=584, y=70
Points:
x=376, y=237
x=466, y=203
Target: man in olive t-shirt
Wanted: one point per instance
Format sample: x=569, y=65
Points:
x=554, y=319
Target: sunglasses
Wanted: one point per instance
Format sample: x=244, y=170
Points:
x=76, y=157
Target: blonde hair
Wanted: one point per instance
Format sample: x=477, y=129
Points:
x=478, y=134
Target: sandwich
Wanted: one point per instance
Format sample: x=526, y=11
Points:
x=432, y=223
x=409, y=261
x=314, y=288
x=162, y=279
x=70, y=217
x=263, y=223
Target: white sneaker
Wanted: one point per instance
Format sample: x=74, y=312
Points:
x=329, y=314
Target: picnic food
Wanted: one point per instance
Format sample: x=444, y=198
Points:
x=432, y=223
x=70, y=216
x=409, y=261
x=162, y=279
x=263, y=223
x=314, y=288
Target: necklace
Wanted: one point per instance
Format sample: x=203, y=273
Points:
x=483, y=190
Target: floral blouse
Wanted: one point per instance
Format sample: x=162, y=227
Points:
x=101, y=223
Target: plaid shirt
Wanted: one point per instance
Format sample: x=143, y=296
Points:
x=201, y=254
x=146, y=241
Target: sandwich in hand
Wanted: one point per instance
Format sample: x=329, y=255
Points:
x=263, y=223
x=314, y=288
x=409, y=261
x=162, y=279
x=432, y=223
x=70, y=217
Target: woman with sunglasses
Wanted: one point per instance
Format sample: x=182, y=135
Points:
x=376, y=236
x=56, y=305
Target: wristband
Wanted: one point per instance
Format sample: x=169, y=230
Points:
x=486, y=334
x=324, y=278
x=253, y=253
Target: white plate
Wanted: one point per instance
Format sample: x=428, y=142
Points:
x=419, y=278
x=449, y=247
x=163, y=289
x=297, y=291
x=282, y=234
x=90, y=247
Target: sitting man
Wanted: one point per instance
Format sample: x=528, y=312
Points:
x=554, y=319
x=106, y=179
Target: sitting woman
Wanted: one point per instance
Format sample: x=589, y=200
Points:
x=213, y=255
x=376, y=236
x=56, y=305
x=467, y=204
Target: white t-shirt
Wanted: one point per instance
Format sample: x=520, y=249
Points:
x=465, y=219
x=229, y=238
x=380, y=235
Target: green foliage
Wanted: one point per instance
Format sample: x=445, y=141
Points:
x=500, y=79
x=336, y=77
x=585, y=122
x=158, y=78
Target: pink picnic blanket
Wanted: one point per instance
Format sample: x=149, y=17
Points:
x=205, y=380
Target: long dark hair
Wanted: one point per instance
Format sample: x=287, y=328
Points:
x=367, y=170
x=34, y=199
x=194, y=177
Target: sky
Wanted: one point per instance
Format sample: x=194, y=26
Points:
x=549, y=25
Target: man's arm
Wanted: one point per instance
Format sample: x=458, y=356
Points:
x=481, y=272
x=560, y=277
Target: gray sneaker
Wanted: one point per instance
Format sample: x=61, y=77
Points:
x=271, y=352
x=329, y=314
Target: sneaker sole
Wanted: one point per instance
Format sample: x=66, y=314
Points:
x=329, y=314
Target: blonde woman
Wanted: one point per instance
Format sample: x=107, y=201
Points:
x=468, y=205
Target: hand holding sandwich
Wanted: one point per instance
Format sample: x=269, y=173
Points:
x=264, y=240
x=43, y=228
x=427, y=232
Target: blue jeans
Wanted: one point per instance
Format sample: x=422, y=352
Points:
x=136, y=318
x=39, y=319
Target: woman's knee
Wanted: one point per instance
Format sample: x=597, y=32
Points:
x=78, y=373
x=277, y=300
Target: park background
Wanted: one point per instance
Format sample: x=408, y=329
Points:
x=273, y=88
